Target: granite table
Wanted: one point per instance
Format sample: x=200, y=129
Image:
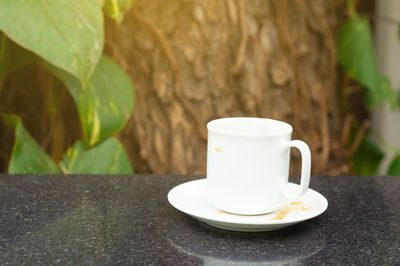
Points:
x=119, y=220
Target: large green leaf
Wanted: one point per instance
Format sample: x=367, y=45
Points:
x=27, y=156
x=104, y=103
x=367, y=158
x=116, y=9
x=68, y=34
x=356, y=51
x=108, y=157
x=12, y=56
x=356, y=54
x=394, y=167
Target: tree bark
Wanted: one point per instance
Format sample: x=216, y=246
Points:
x=194, y=61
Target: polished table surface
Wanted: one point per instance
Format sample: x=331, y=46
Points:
x=98, y=219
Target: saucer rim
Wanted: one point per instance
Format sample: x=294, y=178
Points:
x=250, y=222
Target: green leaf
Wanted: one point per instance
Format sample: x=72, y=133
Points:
x=367, y=158
x=356, y=51
x=12, y=56
x=116, y=9
x=68, y=34
x=27, y=156
x=356, y=55
x=394, y=168
x=104, y=102
x=108, y=157
x=384, y=93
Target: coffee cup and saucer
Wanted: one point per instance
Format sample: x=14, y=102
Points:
x=247, y=185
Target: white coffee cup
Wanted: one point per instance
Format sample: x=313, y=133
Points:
x=248, y=165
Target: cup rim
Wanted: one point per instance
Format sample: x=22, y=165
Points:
x=211, y=126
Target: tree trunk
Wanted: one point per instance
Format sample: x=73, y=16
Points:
x=194, y=61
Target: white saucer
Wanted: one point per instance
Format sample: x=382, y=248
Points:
x=190, y=198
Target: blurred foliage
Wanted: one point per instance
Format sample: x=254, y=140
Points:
x=394, y=167
x=367, y=159
x=67, y=38
x=356, y=54
x=116, y=9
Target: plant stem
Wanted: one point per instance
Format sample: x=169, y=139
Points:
x=351, y=7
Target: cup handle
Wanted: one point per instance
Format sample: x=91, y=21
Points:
x=305, y=170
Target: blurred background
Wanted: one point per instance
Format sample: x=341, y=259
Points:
x=329, y=68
